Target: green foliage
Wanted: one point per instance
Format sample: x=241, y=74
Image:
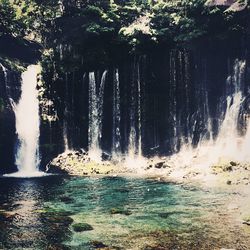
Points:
x=84, y=31
x=9, y=23
x=178, y=20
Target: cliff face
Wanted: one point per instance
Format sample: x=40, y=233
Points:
x=136, y=95
x=9, y=90
x=166, y=97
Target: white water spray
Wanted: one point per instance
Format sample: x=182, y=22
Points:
x=116, y=140
x=27, y=125
x=95, y=116
x=135, y=157
x=229, y=144
x=65, y=120
x=101, y=102
x=5, y=72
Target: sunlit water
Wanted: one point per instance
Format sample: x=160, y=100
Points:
x=39, y=213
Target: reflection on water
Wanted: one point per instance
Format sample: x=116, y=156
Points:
x=124, y=213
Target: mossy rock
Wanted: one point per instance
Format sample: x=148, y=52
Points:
x=120, y=211
x=62, y=220
x=66, y=199
x=165, y=215
x=81, y=227
x=57, y=246
x=50, y=212
x=97, y=244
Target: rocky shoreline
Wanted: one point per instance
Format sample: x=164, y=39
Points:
x=230, y=176
x=79, y=163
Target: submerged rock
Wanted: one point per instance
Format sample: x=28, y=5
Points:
x=57, y=247
x=97, y=244
x=157, y=247
x=62, y=220
x=120, y=211
x=81, y=227
x=66, y=199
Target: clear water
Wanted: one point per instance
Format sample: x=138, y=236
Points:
x=35, y=214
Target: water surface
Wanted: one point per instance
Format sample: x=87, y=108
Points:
x=125, y=213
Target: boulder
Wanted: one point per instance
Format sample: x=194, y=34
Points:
x=159, y=164
x=81, y=227
x=120, y=211
x=97, y=244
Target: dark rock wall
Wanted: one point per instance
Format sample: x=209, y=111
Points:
x=180, y=89
x=9, y=89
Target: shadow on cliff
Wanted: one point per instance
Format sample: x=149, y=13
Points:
x=27, y=52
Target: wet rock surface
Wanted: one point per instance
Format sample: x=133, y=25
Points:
x=120, y=211
x=225, y=173
x=81, y=227
x=79, y=163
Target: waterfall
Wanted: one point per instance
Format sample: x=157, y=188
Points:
x=6, y=81
x=27, y=125
x=135, y=157
x=116, y=136
x=100, y=104
x=65, y=120
x=135, y=141
x=65, y=136
x=139, y=112
x=173, y=105
x=5, y=72
x=132, y=133
x=229, y=145
x=96, y=99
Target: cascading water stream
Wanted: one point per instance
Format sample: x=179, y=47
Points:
x=100, y=104
x=135, y=157
x=116, y=140
x=134, y=147
x=139, y=112
x=5, y=72
x=95, y=116
x=65, y=123
x=27, y=125
x=228, y=145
